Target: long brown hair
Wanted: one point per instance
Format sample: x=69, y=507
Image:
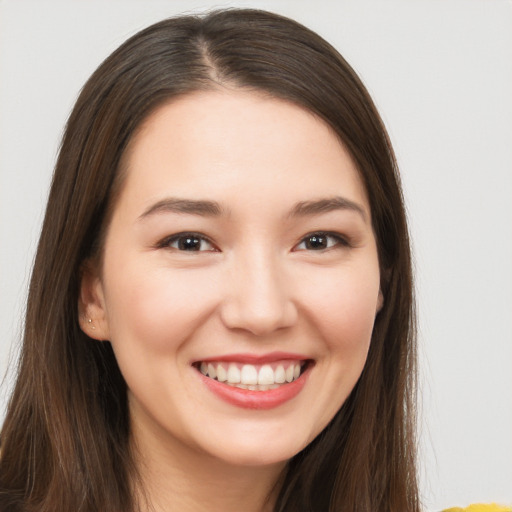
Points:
x=65, y=440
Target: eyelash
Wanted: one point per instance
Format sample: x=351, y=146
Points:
x=167, y=242
x=339, y=241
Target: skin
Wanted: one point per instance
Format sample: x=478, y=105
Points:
x=254, y=287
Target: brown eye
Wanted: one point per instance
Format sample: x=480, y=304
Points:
x=320, y=241
x=316, y=242
x=189, y=242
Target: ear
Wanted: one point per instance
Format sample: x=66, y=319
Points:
x=92, y=311
x=380, y=301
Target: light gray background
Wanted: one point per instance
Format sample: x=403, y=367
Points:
x=441, y=74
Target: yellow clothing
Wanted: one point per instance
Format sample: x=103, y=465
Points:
x=480, y=508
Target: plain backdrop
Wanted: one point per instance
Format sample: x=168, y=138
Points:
x=440, y=72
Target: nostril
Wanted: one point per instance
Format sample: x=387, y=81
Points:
x=259, y=319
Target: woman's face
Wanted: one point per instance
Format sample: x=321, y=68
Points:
x=240, y=249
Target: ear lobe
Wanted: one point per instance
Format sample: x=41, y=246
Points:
x=91, y=304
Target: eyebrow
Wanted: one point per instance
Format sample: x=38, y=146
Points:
x=305, y=208
x=189, y=206
x=208, y=208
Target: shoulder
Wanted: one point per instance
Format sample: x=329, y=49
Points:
x=481, y=508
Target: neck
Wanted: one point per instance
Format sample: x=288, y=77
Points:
x=174, y=477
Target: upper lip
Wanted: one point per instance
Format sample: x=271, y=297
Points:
x=254, y=358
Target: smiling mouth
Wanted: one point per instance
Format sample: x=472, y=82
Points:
x=254, y=377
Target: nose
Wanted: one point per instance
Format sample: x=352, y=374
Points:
x=258, y=298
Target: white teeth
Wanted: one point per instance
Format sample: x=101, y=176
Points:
x=248, y=377
x=255, y=387
x=280, y=375
x=249, y=374
x=266, y=375
x=233, y=374
x=222, y=375
x=211, y=371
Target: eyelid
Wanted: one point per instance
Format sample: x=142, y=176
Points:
x=166, y=241
x=341, y=240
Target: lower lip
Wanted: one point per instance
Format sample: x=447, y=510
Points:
x=256, y=399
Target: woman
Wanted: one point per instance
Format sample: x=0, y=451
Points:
x=220, y=314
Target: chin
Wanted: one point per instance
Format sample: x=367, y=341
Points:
x=253, y=450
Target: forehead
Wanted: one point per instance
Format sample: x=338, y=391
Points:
x=222, y=141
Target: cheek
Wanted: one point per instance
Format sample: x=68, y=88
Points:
x=341, y=306
x=344, y=306
x=156, y=310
